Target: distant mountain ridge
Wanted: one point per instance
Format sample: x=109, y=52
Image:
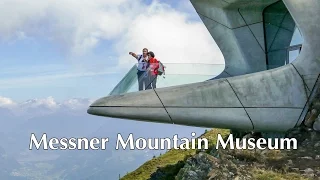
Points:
x=38, y=107
x=69, y=118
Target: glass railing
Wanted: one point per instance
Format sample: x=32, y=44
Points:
x=175, y=74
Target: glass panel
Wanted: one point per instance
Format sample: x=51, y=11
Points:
x=293, y=55
x=277, y=58
x=279, y=29
x=282, y=40
x=275, y=13
x=127, y=82
x=288, y=23
x=175, y=74
x=296, y=38
x=271, y=32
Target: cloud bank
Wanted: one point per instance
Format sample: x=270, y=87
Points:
x=48, y=104
x=79, y=26
x=172, y=37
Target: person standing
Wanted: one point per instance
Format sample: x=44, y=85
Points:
x=142, y=68
x=152, y=70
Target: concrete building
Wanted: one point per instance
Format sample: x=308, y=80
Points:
x=261, y=88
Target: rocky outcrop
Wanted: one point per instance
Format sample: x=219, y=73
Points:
x=167, y=172
x=303, y=163
x=233, y=164
x=198, y=166
x=312, y=119
x=256, y=164
x=316, y=124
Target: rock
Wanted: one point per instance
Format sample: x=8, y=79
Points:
x=311, y=118
x=192, y=174
x=308, y=115
x=263, y=152
x=316, y=124
x=305, y=143
x=294, y=132
x=247, y=136
x=309, y=172
x=306, y=157
x=313, y=135
x=290, y=163
x=316, y=105
x=198, y=166
x=317, y=157
x=161, y=172
x=310, y=129
x=295, y=170
x=213, y=174
x=225, y=174
x=317, y=144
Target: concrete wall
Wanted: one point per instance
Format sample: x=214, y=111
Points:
x=237, y=28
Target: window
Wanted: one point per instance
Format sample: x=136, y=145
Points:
x=296, y=38
x=283, y=40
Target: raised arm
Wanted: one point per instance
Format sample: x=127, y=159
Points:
x=133, y=55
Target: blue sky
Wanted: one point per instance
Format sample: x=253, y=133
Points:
x=27, y=60
x=70, y=50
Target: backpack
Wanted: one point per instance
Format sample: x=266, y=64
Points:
x=161, y=69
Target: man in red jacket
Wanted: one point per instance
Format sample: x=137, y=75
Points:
x=153, y=70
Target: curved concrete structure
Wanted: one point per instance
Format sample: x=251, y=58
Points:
x=251, y=94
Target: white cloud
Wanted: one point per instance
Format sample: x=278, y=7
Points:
x=48, y=102
x=170, y=35
x=75, y=25
x=41, y=106
x=76, y=103
x=6, y=102
x=79, y=25
x=45, y=106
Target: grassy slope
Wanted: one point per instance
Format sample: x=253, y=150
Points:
x=171, y=157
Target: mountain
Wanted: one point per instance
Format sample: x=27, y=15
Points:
x=70, y=119
x=39, y=107
x=8, y=120
x=7, y=165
